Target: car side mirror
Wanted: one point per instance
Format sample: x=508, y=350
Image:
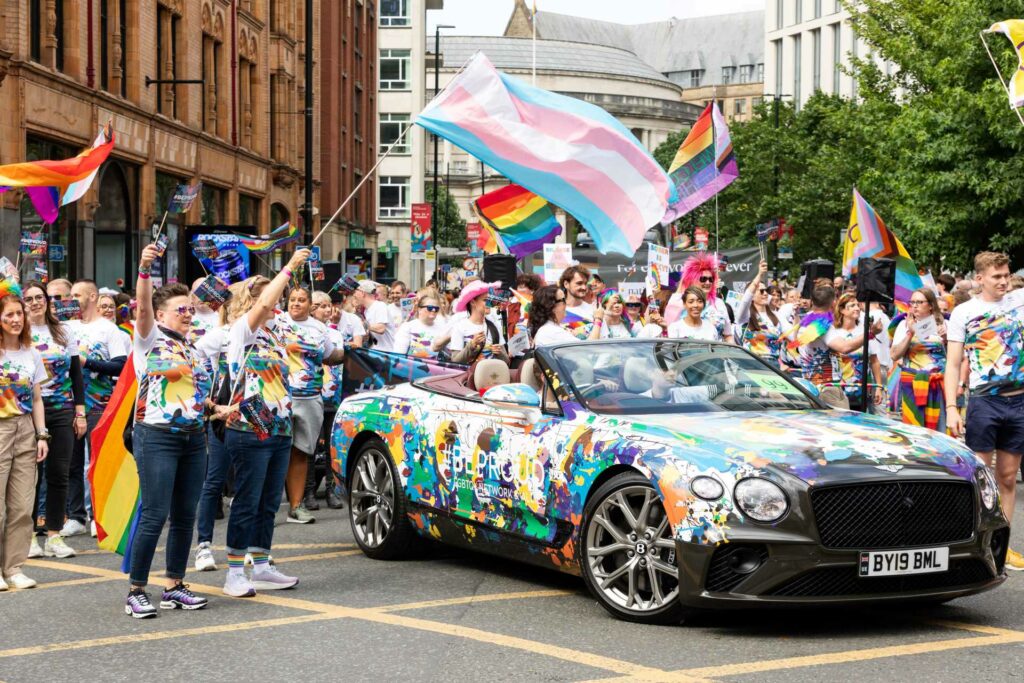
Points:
x=516, y=397
x=808, y=385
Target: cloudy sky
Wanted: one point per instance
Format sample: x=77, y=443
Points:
x=488, y=17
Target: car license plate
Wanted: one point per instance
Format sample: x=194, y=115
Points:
x=902, y=562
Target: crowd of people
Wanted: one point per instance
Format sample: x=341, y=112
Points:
x=242, y=399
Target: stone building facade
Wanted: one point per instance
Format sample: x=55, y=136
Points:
x=69, y=66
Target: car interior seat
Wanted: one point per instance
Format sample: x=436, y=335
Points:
x=527, y=376
x=490, y=372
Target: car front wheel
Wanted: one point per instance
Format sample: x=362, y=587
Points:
x=377, y=507
x=629, y=555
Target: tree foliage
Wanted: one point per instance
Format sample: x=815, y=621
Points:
x=451, y=229
x=931, y=144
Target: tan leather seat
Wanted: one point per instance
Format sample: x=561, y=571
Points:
x=527, y=376
x=490, y=372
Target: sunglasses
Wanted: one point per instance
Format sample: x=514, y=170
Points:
x=762, y=291
x=560, y=301
x=185, y=310
x=432, y=309
x=705, y=279
x=633, y=305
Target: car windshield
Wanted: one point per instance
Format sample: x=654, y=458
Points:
x=639, y=377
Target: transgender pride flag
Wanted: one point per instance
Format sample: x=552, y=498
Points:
x=574, y=154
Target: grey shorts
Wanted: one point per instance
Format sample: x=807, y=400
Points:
x=307, y=418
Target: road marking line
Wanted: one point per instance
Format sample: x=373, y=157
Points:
x=124, y=639
x=473, y=599
x=317, y=556
x=974, y=628
x=75, y=582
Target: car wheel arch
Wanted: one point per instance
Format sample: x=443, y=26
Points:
x=360, y=440
x=610, y=473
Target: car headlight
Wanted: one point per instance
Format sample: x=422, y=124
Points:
x=986, y=487
x=707, y=488
x=760, y=499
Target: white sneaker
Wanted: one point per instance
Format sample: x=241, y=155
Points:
x=73, y=527
x=33, y=549
x=205, y=561
x=21, y=582
x=3, y=585
x=56, y=547
x=270, y=579
x=238, y=586
x=92, y=528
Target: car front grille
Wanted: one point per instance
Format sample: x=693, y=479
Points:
x=840, y=581
x=731, y=564
x=893, y=514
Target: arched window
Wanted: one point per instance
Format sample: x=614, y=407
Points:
x=113, y=241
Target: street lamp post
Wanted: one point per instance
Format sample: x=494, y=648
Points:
x=437, y=88
x=307, y=208
x=776, y=98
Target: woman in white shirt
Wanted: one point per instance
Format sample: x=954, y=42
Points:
x=692, y=325
x=417, y=337
x=617, y=324
x=546, y=314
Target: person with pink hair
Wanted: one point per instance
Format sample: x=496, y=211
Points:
x=701, y=270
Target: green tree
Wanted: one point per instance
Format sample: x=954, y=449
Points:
x=451, y=229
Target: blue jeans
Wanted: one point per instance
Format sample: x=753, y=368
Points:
x=260, y=468
x=171, y=467
x=216, y=474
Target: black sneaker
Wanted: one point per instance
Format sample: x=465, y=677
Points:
x=180, y=597
x=310, y=502
x=334, y=501
x=138, y=604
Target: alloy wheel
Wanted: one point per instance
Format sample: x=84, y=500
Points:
x=372, y=498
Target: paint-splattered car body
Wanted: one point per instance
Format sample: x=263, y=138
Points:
x=477, y=476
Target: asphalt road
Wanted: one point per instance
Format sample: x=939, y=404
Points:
x=454, y=616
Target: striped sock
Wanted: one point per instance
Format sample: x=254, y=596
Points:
x=259, y=561
x=236, y=564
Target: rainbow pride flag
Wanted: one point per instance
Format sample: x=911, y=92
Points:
x=704, y=165
x=522, y=221
x=487, y=242
x=1014, y=30
x=868, y=237
x=112, y=474
x=577, y=324
x=812, y=326
x=285, y=234
x=578, y=155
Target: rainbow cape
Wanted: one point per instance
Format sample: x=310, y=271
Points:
x=1014, y=30
x=112, y=474
x=704, y=165
x=812, y=326
x=281, y=236
x=868, y=237
x=521, y=221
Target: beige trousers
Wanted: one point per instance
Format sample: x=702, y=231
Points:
x=17, y=490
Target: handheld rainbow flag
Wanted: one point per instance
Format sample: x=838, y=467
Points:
x=1014, y=30
x=868, y=237
x=60, y=174
x=577, y=324
x=577, y=154
x=285, y=234
x=704, y=165
x=112, y=474
x=522, y=221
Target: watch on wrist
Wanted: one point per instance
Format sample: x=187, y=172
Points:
x=43, y=435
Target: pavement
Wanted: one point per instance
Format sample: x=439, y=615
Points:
x=452, y=616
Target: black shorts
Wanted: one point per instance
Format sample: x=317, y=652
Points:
x=995, y=423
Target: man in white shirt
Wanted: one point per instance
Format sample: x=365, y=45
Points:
x=575, y=283
x=378, y=318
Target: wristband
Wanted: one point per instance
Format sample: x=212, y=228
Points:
x=287, y=272
x=953, y=405
x=599, y=322
x=143, y=275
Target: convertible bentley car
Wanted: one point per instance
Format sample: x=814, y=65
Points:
x=673, y=476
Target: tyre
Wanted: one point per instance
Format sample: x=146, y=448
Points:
x=377, y=505
x=628, y=554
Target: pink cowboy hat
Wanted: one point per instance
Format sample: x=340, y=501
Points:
x=472, y=291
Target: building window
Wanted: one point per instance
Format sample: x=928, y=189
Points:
x=212, y=65
x=760, y=73
x=167, y=32
x=817, y=8
x=394, y=69
x=853, y=54
x=35, y=20
x=838, y=7
x=837, y=56
x=739, y=107
x=728, y=74
x=756, y=102
x=695, y=77
x=797, y=70
x=778, y=67
x=460, y=167
x=780, y=10
x=816, y=47
x=394, y=13
x=391, y=126
x=798, y=11
x=746, y=71
x=248, y=210
x=394, y=197
x=114, y=47
x=212, y=212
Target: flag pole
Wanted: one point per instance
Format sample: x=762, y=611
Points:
x=366, y=177
x=995, y=66
x=161, y=228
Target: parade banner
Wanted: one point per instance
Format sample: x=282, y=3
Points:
x=658, y=258
x=420, y=225
x=557, y=257
x=739, y=271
